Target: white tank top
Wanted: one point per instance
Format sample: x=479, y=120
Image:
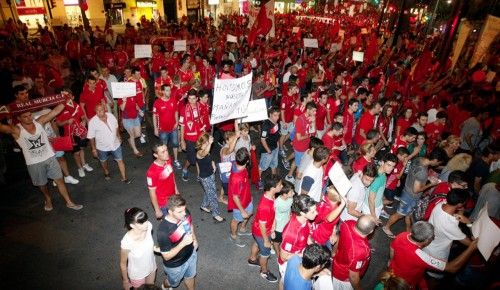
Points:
x=36, y=147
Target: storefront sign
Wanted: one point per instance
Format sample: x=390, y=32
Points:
x=30, y=10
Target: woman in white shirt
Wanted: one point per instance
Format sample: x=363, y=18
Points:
x=137, y=260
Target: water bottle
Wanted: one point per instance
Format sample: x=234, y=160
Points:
x=186, y=226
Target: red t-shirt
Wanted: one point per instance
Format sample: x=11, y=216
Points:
x=359, y=164
x=191, y=121
x=410, y=262
x=320, y=116
x=185, y=76
x=91, y=99
x=332, y=141
x=348, y=126
x=295, y=236
x=332, y=106
x=160, y=81
x=322, y=228
x=366, y=122
x=287, y=106
x=392, y=180
x=433, y=131
x=165, y=111
x=403, y=124
x=121, y=59
x=239, y=185
x=304, y=128
x=353, y=252
x=162, y=179
x=75, y=113
x=130, y=111
x=397, y=144
x=205, y=117
x=265, y=214
x=139, y=96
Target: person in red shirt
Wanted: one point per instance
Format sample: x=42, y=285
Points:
x=408, y=137
x=329, y=209
x=185, y=73
x=91, y=96
x=161, y=180
x=157, y=61
x=385, y=125
x=367, y=122
x=404, y=122
x=435, y=130
x=409, y=262
x=163, y=79
x=207, y=75
x=73, y=49
x=334, y=140
x=262, y=227
x=205, y=110
x=352, y=107
x=191, y=129
x=322, y=116
x=297, y=232
x=239, y=197
x=131, y=122
x=121, y=59
x=353, y=253
x=287, y=107
x=166, y=121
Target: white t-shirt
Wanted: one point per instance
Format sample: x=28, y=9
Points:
x=446, y=231
x=356, y=194
x=316, y=174
x=141, y=259
x=323, y=282
x=304, y=163
x=36, y=147
x=104, y=133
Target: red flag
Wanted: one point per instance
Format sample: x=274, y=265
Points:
x=264, y=23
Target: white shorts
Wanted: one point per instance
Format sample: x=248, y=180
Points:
x=341, y=285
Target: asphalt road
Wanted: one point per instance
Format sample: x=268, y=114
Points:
x=66, y=249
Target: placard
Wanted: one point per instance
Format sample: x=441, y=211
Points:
x=180, y=45
x=364, y=31
x=232, y=38
x=487, y=232
x=142, y=50
x=213, y=2
x=351, y=11
x=295, y=29
x=256, y=111
x=339, y=179
x=311, y=42
x=358, y=56
x=123, y=89
x=231, y=97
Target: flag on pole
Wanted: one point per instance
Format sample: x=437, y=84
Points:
x=263, y=25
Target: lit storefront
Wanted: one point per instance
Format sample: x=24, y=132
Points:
x=31, y=12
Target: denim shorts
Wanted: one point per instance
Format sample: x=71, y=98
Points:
x=237, y=214
x=263, y=251
x=117, y=154
x=269, y=160
x=298, y=157
x=129, y=124
x=407, y=203
x=59, y=154
x=170, y=138
x=288, y=130
x=186, y=270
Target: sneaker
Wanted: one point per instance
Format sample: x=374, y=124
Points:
x=388, y=232
x=75, y=206
x=70, y=179
x=246, y=233
x=253, y=262
x=237, y=241
x=283, y=153
x=127, y=181
x=177, y=164
x=269, y=277
x=285, y=163
x=384, y=214
x=143, y=139
x=185, y=176
x=54, y=183
x=81, y=172
x=290, y=179
x=163, y=287
x=87, y=167
x=388, y=206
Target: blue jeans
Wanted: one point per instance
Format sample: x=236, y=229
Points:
x=186, y=270
x=170, y=138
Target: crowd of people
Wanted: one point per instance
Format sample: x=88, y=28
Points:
x=418, y=141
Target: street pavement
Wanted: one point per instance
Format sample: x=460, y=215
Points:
x=67, y=249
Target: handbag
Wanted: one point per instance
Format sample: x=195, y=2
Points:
x=64, y=143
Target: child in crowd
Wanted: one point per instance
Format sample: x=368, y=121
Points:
x=283, y=209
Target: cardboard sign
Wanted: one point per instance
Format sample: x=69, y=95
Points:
x=231, y=97
x=487, y=232
x=143, y=51
x=123, y=90
x=358, y=56
x=232, y=38
x=311, y=42
x=180, y=45
x=295, y=29
x=339, y=179
x=256, y=111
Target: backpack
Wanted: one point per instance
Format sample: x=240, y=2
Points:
x=425, y=205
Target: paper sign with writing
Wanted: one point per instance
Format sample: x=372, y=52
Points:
x=232, y=38
x=339, y=179
x=142, y=50
x=231, y=97
x=487, y=232
x=123, y=90
x=358, y=56
x=311, y=42
x=295, y=29
x=256, y=111
x=180, y=45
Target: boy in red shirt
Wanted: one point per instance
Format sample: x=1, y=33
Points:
x=239, y=197
x=329, y=209
x=262, y=227
x=435, y=130
x=402, y=141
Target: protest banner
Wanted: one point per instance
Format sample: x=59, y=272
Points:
x=311, y=42
x=358, y=56
x=231, y=97
x=339, y=179
x=232, y=38
x=123, y=90
x=142, y=51
x=487, y=232
x=180, y=45
x=256, y=111
x=8, y=111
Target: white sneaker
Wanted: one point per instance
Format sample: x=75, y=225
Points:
x=87, y=167
x=143, y=140
x=81, y=172
x=70, y=179
x=290, y=179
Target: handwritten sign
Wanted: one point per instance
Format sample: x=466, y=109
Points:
x=142, y=50
x=256, y=111
x=339, y=179
x=123, y=90
x=295, y=29
x=358, y=56
x=311, y=42
x=487, y=232
x=180, y=45
x=231, y=97
x=232, y=38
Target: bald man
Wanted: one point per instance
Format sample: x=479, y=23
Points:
x=353, y=254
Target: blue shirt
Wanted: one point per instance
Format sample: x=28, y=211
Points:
x=293, y=280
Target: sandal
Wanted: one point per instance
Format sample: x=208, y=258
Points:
x=107, y=176
x=47, y=207
x=219, y=219
x=127, y=181
x=138, y=154
x=223, y=200
x=388, y=232
x=205, y=209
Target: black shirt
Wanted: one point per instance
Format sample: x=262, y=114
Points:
x=169, y=236
x=270, y=132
